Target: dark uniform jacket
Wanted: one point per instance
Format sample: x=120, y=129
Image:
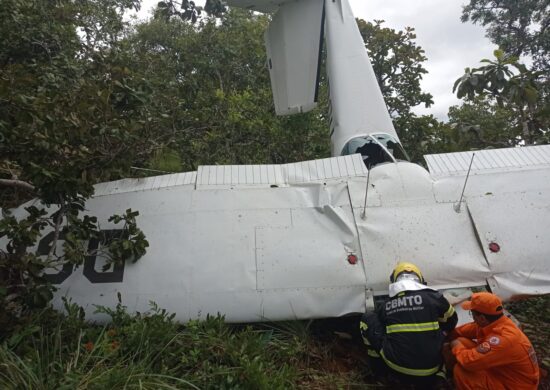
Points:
x=411, y=325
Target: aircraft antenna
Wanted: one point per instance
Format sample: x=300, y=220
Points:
x=457, y=206
x=364, y=215
x=150, y=170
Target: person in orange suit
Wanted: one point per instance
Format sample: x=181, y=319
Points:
x=492, y=352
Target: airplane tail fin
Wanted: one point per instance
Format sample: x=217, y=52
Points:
x=359, y=119
x=294, y=42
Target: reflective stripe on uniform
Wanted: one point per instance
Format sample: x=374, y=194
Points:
x=447, y=314
x=442, y=374
x=409, y=371
x=372, y=353
x=421, y=327
x=363, y=327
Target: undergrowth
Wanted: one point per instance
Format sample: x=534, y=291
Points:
x=145, y=351
x=534, y=316
x=152, y=351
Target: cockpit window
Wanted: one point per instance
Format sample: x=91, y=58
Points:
x=375, y=149
x=393, y=146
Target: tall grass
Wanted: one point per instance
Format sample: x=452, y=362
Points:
x=146, y=351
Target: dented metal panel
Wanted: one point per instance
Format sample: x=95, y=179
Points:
x=223, y=251
x=259, y=253
x=434, y=237
x=518, y=223
x=311, y=253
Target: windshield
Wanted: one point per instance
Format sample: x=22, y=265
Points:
x=375, y=149
x=393, y=146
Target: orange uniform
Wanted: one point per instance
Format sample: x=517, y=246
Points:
x=501, y=358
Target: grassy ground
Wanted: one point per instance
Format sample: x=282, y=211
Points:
x=152, y=351
x=534, y=315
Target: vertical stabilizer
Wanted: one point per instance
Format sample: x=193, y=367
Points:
x=358, y=108
x=360, y=121
x=293, y=42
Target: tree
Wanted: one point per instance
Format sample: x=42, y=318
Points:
x=187, y=10
x=397, y=63
x=514, y=89
x=517, y=27
x=480, y=123
x=517, y=96
x=212, y=82
x=214, y=86
x=71, y=114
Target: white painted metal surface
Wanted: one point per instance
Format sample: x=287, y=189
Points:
x=490, y=160
x=518, y=222
x=357, y=105
x=259, y=253
x=251, y=253
x=147, y=183
x=233, y=176
x=293, y=44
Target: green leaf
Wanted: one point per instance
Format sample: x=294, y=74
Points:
x=531, y=95
x=499, y=54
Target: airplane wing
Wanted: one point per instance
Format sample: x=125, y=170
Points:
x=302, y=240
x=252, y=242
x=507, y=197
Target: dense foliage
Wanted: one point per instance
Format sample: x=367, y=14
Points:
x=71, y=114
x=147, y=350
x=515, y=85
x=211, y=89
x=517, y=27
x=151, y=351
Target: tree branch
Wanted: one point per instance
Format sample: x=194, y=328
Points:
x=16, y=183
x=58, y=221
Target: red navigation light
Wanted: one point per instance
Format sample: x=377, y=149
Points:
x=352, y=259
x=494, y=247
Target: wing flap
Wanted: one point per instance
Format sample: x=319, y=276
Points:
x=489, y=161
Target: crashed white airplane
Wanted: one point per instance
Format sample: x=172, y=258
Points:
x=320, y=238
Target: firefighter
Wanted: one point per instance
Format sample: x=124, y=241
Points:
x=405, y=334
x=492, y=352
